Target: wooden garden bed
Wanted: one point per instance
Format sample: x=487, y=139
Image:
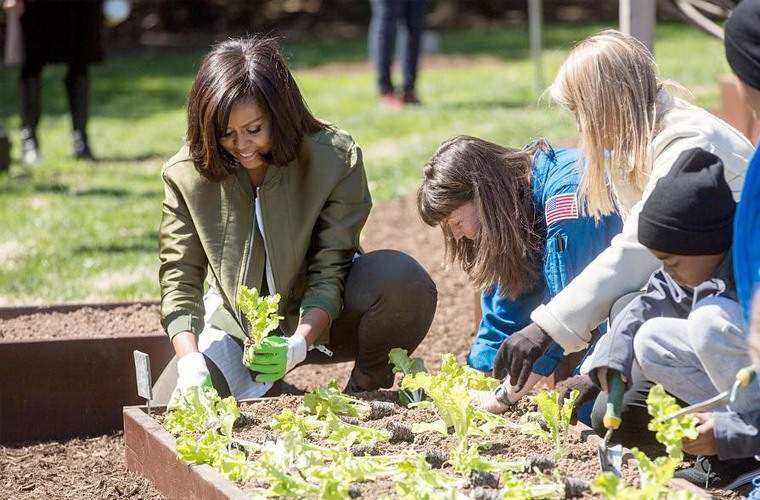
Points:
x=60, y=384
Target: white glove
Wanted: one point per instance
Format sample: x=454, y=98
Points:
x=296, y=351
x=192, y=371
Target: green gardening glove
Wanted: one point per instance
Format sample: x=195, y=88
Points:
x=276, y=356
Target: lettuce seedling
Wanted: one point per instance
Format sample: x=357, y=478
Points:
x=262, y=315
x=654, y=474
x=199, y=408
x=557, y=416
x=346, y=434
x=329, y=399
x=403, y=364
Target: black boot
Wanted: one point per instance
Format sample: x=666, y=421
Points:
x=30, y=100
x=77, y=91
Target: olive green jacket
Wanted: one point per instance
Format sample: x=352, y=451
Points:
x=313, y=210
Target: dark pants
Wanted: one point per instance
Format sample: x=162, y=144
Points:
x=382, y=39
x=389, y=301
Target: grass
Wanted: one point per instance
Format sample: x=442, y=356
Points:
x=74, y=231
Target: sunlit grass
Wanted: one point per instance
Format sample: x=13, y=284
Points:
x=73, y=231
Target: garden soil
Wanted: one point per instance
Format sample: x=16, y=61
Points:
x=579, y=462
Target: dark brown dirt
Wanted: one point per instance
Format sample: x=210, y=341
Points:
x=85, y=322
x=79, y=468
x=579, y=460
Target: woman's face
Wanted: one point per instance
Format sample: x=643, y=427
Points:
x=249, y=134
x=464, y=222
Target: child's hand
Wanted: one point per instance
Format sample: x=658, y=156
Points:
x=602, y=374
x=704, y=444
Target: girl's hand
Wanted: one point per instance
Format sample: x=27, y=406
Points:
x=704, y=444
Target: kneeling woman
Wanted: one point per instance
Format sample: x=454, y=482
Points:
x=265, y=195
x=510, y=218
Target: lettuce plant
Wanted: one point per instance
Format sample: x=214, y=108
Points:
x=557, y=416
x=654, y=474
x=403, y=364
x=262, y=315
x=329, y=399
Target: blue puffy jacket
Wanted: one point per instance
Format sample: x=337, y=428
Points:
x=747, y=237
x=571, y=242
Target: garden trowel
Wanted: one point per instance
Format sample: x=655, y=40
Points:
x=611, y=457
x=743, y=378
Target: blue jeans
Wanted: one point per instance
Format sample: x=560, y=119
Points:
x=382, y=39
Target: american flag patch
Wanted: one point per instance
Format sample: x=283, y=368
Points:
x=561, y=207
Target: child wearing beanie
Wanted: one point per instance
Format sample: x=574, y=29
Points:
x=685, y=331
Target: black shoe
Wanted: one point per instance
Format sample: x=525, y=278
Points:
x=81, y=146
x=30, y=149
x=709, y=472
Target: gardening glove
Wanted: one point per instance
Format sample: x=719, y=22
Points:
x=276, y=356
x=191, y=372
x=587, y=390
x=518, y=354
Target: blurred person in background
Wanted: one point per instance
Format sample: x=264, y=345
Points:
x=52, y=31
x=383, y=26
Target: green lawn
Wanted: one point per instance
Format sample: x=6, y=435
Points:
x=75, y=231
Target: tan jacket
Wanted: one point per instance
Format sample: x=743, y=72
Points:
x=312, y=209
x=626, y=265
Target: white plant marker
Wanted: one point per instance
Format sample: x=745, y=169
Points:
x=142, y=374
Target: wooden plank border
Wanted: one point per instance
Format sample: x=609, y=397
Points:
x=151, y=452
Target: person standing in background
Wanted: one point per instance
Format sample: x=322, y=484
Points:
x=382, y=42
x=55, y=32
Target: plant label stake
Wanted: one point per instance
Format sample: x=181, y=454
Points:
x=144, y=380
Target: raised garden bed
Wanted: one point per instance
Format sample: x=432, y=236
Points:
x=151, y=451
x=71, y=367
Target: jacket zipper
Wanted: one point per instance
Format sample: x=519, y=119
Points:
x=247, y=256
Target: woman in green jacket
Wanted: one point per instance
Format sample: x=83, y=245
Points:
x=266, y=196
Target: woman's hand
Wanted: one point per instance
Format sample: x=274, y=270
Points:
x=277, y=355
x=704, y=444
x=519, y=353
x=191, y=365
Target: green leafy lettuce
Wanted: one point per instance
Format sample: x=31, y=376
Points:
x=262, y=315
x=654, y=474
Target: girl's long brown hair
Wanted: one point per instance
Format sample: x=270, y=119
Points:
x=508, y=249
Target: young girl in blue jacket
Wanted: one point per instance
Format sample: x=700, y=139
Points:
x=511, y=219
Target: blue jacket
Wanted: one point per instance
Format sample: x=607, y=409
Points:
x=747, y=237
x=571, y=242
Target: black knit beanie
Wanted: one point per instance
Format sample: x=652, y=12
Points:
x=742, y=39
x=691, y=209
